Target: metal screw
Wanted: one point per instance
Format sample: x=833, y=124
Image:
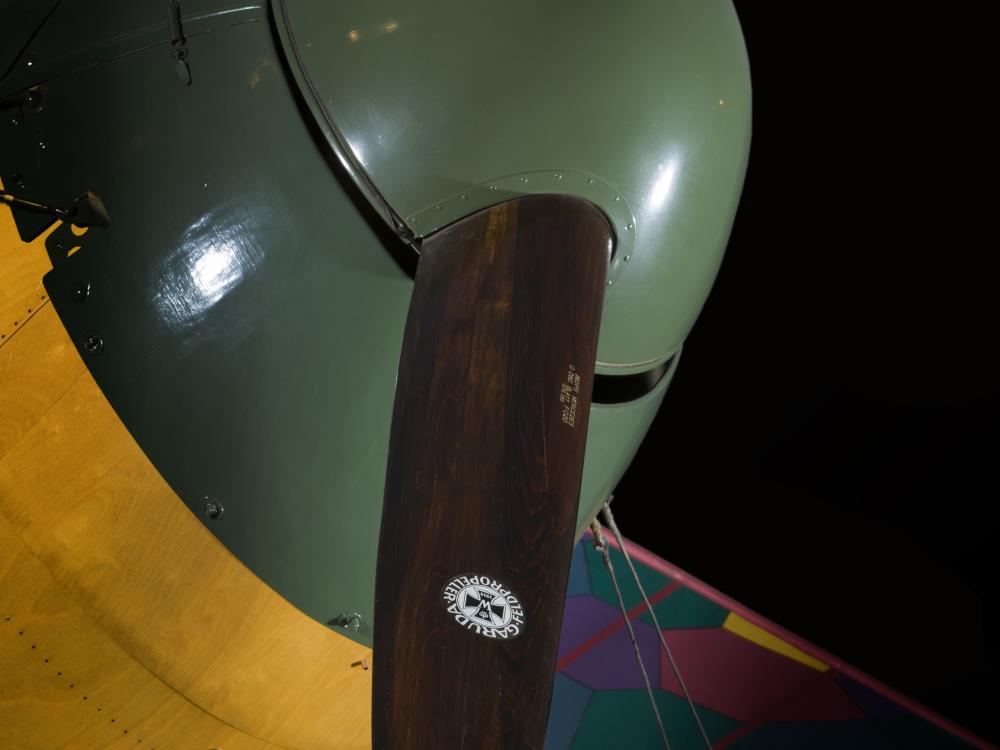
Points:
x=213, y=508
x=32, y=102
x=81, y=292
x=348, y=621
x=93, y=345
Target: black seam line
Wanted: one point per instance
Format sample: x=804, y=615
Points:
x=30, y=39
x=343, y=151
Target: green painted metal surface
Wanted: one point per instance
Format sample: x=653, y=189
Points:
x=20, y=19
x=83, y=32
x=642, y=107
x=251, y=310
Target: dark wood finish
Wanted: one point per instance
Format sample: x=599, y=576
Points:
x=484, y=470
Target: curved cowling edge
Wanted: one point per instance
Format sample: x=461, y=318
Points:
x=643, y=109
x=249, y=316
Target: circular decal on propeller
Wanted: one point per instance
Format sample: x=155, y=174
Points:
x=484, y=606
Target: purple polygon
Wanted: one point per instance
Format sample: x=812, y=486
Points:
x=610, y=664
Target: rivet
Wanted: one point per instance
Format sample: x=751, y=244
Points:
x=493, y=187
x=524, y=179
x=617, y=198
x=81, y=291
x=213, y=508
x=93, y=345
x=437, y=208
x=558, y=175
x=590, y=180
x=627, y=258
x=630, y=227
x=610, y=282
x=30, y=62
x=465, y=197
x=32, y=102
x=41, y=144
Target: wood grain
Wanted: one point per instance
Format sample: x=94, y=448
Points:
x=486, y=454
x=65, y=684
x=21, y=269
x=110, y=577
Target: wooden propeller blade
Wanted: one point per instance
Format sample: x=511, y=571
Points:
x=485, y=460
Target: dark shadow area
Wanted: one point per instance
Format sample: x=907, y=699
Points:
x=620, y=389
x=830, y=440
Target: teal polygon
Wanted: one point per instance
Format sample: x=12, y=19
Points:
x=624, y=719
x=600, y=582
x=566, y=713
x=685, y=609
x=579, y=578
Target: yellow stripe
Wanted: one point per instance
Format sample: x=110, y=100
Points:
x=746, y=629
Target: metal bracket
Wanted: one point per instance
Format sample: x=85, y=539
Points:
x=62, y=243
x=178, y=42
x=87, y=211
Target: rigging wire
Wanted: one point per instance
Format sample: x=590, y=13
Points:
x=601, y=545
x=609, y=519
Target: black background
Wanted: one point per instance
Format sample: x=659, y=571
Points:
x=827, y=452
